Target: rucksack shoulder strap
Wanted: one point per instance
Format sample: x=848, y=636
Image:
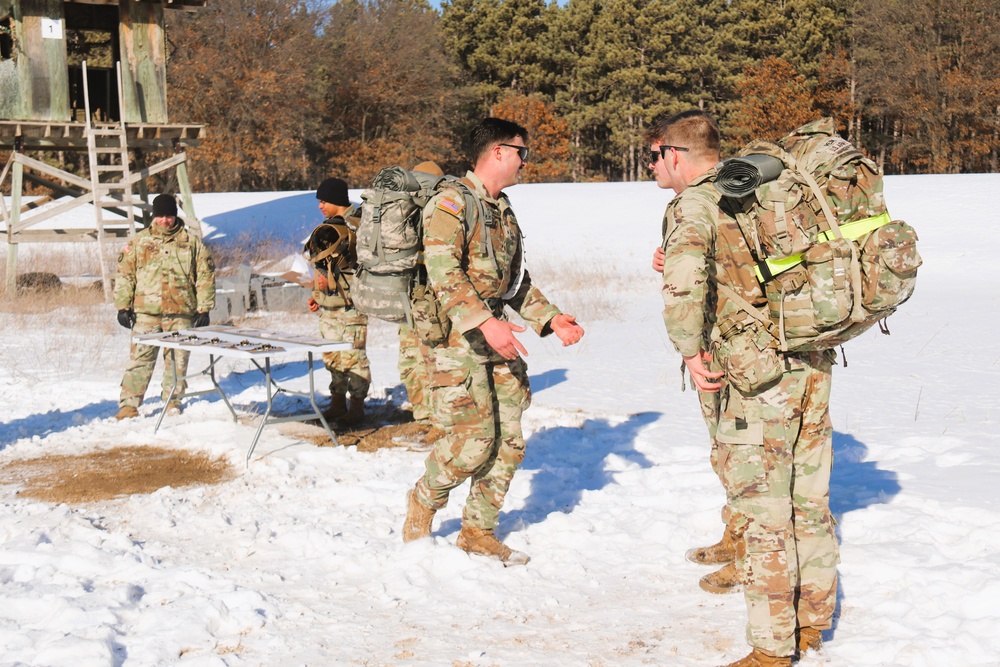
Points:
x=473, y=202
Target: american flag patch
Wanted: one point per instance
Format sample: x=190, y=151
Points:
x=450, y=205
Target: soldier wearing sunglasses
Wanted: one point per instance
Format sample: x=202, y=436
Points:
x=475, y=266
x=771, y=444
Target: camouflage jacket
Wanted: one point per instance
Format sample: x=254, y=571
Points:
x=703, y=245
x=331, y=297
x=465, y=281
x=165, y=272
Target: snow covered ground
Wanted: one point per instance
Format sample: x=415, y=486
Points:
x=299, y=561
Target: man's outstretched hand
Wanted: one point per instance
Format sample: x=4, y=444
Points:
x=566, y=328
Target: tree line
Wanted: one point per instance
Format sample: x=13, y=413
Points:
x=294, y=92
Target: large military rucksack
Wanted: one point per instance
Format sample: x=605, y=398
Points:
x=829, y=259
x=390, y=238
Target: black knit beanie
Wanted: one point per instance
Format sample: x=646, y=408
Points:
x=333, y=191
x=164, y=205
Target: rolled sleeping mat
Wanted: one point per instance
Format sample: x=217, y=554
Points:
x=739, y=176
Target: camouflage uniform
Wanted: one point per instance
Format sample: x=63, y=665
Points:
x=415, y=367
x=478, y=396
x=350, y=371
x=772, y=439
x=166, y=277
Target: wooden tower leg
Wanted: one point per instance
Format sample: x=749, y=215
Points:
x=185, y=187
x=16, y=185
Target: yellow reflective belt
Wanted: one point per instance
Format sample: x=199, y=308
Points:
x=770, y=268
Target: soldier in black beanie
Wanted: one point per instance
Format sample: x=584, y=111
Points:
x=331, y=247
x=164, y=206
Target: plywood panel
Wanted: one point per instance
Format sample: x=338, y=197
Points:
x=143, y=53
x=41, y=56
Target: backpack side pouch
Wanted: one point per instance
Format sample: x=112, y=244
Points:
x=748, y=358
x=815, y=296
x=431, y=325
x=889, y=263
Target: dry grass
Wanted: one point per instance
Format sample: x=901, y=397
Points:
x=109, y=473
x=253, y=249
x=46, y=330
x=596, y=291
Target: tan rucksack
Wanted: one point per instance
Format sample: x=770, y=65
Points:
x=828, y=257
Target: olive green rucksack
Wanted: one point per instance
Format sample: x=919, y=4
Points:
x=828, y=257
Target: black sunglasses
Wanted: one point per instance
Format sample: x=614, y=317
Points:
x=522, y=151
x=656, y=153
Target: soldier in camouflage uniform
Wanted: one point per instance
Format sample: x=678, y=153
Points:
x=350, y=372
x=165, y=282
x=480, y=381
x=773, y=435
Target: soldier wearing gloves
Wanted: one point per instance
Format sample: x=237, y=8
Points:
x=165, y=282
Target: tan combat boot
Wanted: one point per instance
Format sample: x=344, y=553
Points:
x=418, y=519
x=173, y=408
x=484, y=542
x=810, y=639
x=758, y=658
x=337, y=409
x=127, y=412
x=722, y=581
x=355, y=411
x=723, y=551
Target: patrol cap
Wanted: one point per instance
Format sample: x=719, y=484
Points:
x=164, y=205
x=333, y=191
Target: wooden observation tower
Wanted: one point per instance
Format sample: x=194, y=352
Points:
x=112, y=109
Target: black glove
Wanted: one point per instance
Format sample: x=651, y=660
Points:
x=200, y=320
x=126, y=318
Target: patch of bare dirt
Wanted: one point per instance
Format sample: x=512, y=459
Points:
x=381, y=424
x=110, y=473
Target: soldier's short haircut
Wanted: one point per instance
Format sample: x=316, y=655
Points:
x=490, y=132
x=693, y=129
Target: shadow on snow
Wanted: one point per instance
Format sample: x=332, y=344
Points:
x=298, y=215
x=569, y=460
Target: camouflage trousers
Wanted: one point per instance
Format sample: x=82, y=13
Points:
x=142, y=360
x=775, y=458
x=478, y=404
x=416, y=361
x=349, y=370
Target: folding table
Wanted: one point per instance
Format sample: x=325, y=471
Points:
x=220, y=341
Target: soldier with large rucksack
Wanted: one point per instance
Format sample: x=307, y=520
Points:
x=770, y=260
x=473, y=251
x=332, y=251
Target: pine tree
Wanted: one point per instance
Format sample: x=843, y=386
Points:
x=627, y=57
